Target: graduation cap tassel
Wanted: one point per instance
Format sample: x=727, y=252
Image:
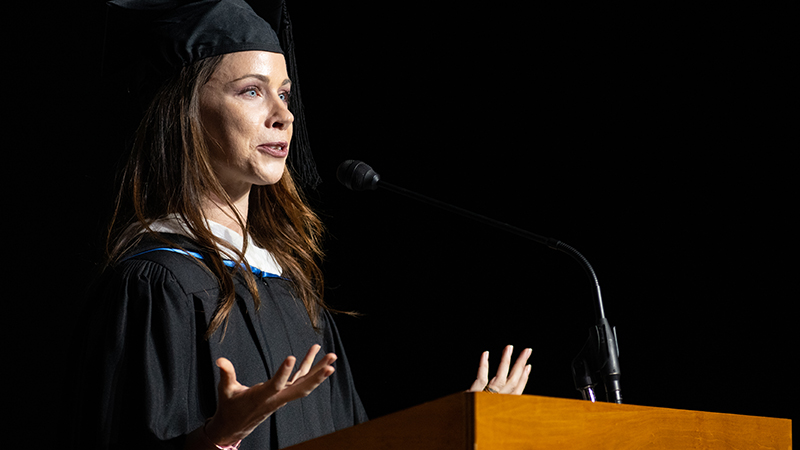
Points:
x=302, y=160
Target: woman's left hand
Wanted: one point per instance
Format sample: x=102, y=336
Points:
x=504, y=382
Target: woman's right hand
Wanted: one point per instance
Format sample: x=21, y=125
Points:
x=240, y=409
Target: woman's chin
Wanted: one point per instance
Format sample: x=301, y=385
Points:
x=270, y=177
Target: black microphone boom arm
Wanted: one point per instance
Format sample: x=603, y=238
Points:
x=600, y=354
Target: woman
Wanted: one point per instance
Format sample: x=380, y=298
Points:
x=212, y=281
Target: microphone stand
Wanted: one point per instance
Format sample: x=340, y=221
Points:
x=600, y=354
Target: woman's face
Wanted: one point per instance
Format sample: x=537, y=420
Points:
x=244, y=111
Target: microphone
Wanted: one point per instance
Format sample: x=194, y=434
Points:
x=357, y=176
x=600, y=354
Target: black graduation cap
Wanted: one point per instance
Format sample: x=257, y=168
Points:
x=148, y=41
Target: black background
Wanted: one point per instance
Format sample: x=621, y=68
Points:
x=654, y=139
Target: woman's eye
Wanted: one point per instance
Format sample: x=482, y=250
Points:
x=285, y=96
x=250, y=92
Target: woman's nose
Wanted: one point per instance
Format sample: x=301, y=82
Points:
x=281, y=118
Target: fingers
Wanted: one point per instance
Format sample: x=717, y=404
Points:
x=523, y=381
x=305, y=366
x=505, y=362
x=281, y=377
x=519, y=367
x=227, y=377
x=483, y=374
x=241, y=409
x=322, y=370
x=305, y=384
x=305, y=380
x=508, y=379
x=279, y=386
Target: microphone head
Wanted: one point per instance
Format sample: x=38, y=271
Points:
x=357, y=175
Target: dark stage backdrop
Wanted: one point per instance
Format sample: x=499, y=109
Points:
x=651, y=138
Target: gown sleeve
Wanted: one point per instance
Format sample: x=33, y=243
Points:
x=343, y=392
x=140, y=371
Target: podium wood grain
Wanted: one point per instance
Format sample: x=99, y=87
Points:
x=501, y=422
x=482, y=421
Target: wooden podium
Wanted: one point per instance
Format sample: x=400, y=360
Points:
x=483, y=421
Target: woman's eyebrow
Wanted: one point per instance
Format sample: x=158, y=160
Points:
x=262, y=78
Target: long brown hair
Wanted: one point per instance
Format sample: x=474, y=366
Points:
x=169, y=172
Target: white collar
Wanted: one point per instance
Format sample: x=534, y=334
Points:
x=255, y=255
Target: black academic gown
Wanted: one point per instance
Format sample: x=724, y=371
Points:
x=150, y=376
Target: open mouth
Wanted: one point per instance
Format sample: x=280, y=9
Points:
x=276, y=149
